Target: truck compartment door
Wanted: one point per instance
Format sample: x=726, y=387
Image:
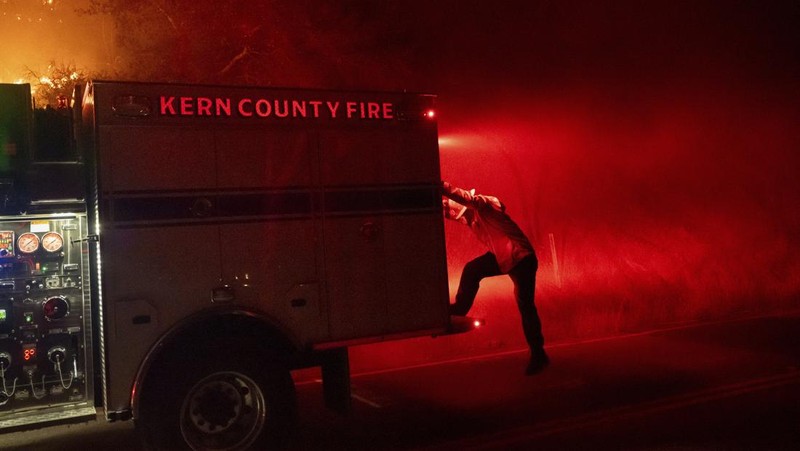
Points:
x=270, y=237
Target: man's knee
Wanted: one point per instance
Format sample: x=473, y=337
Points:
x=475, y=270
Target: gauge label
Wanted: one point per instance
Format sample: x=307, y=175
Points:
x=40, y=226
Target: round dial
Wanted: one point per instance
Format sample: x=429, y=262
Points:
x=55, y=308
x=28, y=243
x=52, y=241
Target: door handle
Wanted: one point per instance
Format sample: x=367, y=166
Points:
x=222, y=294
x=369, y=231
x=202, y=208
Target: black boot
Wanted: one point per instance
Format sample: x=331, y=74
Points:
x=537, y=363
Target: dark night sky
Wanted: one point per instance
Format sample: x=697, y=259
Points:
x=535, y=45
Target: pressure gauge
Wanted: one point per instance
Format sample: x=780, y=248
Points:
x=55, y=308
x=28, y=243
x=52, y=241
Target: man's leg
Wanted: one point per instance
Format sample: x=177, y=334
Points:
x=524, y=277
x=474, y=271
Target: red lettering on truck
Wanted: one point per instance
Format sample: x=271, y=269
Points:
x=248, y=107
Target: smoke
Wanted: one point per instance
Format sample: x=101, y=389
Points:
x=654, y=144
x=676, y=205
x=672, y=206
x=36, y=34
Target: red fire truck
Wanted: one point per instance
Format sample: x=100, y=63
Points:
x=172, y=252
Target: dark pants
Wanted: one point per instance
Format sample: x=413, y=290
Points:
x=524, y=277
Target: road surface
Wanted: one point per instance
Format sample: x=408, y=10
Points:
x=725, y=385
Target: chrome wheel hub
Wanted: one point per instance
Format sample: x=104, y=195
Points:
x=223, y=411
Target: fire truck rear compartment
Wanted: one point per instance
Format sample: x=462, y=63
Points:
x=205, y=255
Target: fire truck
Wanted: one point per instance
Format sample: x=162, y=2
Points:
x=172, y=252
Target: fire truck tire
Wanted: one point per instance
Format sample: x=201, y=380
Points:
x=231, y=402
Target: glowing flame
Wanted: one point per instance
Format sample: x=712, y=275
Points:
x=59, y=82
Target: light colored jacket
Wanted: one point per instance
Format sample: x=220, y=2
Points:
x=486, y=217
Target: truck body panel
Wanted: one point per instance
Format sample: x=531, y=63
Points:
x=328, y=226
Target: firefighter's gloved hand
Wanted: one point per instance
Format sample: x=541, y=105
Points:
x=452, y=209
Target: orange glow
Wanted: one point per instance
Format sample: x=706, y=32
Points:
x=51, y=32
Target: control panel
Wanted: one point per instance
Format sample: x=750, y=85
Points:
x=45, y=317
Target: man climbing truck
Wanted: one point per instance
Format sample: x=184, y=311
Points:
x=171, y=252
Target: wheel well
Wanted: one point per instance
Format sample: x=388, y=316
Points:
x=220, y=332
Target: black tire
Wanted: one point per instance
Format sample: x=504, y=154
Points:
x=219, y=399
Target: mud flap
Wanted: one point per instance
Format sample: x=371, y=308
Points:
x=336, y=379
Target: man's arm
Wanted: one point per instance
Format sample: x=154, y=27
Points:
x=459, y=195
x=470, y=199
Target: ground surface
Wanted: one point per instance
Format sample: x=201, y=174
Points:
x=725, y=385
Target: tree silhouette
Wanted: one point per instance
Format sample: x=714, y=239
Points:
x=349, y=43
